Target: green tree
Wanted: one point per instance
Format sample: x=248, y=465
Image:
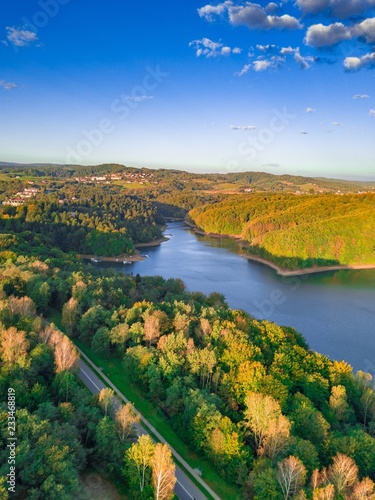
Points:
x=138, y=462
x=70, y=315
x=91, y=321
x=108, y=447
x=262, y=482
x=101, y=342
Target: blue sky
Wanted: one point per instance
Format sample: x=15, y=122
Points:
x=283, y=87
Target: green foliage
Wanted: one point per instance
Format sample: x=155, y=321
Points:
x=262, y=482
x=92, y=320
x=108, y=444
x=100, y=221
x=358, y=445
x=101, y=342
x=137, y=468
x=297, y=231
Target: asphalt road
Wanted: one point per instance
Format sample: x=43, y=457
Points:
x=185, y=489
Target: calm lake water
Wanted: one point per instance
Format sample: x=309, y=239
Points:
x=335, y=311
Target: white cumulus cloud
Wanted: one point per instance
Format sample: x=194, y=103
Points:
x=287, y=50
x=302, y=61
x=209, y=11
x=262, y=65
x=269, y=47
x=244, y=70
x=272, y=7
x=357, y=63
x=337, y=8
x=208, y=48
x=319, y=35
x=20, y=37
x=365, y=29
x=252, y=15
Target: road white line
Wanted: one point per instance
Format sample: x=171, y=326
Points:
x=185, y=490
x=93, y=383
x=151, y=429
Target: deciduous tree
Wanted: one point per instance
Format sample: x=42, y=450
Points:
x=364, y=384
x=151, y=329
x=324, y=493
x=338, y=401
x=106, y=399
x=343, y=474
x=66, y=355
x=70, y=315
x=23, y=306
x=291, y=476
x=163, y=472
x=364, y=490
x=139, y=456
x=268, y=426
x=125, y=419
x=13, y=346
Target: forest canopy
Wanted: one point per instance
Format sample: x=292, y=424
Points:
x=297, y=231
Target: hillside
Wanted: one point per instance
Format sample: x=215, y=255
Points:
x=296, y=222
x=179, y=180
x=297, y=231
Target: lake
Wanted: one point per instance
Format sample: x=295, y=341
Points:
x=335, y=311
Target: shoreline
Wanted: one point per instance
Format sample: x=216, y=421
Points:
x=137, y=257
x=308, y=270
x=236, y=237
x=280, y=270
x=155, y=243
x=119, y=258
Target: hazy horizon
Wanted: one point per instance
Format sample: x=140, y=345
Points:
x=355, y=178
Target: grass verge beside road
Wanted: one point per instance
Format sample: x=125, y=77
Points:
x=114, y=370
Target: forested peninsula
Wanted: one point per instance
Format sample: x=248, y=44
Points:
x=297, y=232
